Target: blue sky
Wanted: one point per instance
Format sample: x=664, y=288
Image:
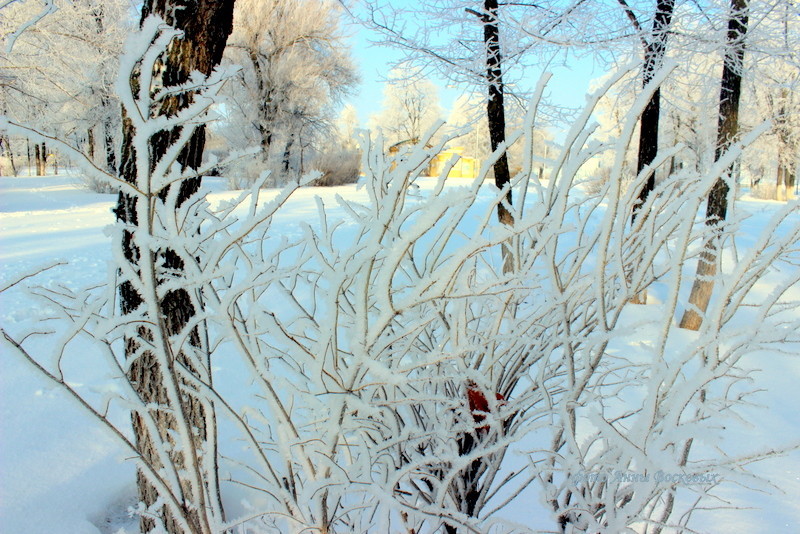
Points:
x=567, y=86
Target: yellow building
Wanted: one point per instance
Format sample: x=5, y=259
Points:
x=465, y=167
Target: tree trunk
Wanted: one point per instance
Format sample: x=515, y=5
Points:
x=495, y=108
x=105, y=104
x=90, y=143
x=654, y=52
x=727, y=129
x=496, y=115
x=786, y=151
x=108, y=139
x=287, y=156
x=6, y=143
x=267, y=109
x=205, y=25
x=39, y=157
x=44, y=160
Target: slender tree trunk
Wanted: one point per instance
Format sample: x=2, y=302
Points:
x=6, y=143
x=287, y=155
x=727, y=129
x=10, y=150
x=654, y=50
x=90, y=143
x=30, y=162
x=38, y=155
x=496, y=115
x=495, y=107
x=786, y=151
x=205, y=25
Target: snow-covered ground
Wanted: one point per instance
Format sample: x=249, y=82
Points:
x=60, y=473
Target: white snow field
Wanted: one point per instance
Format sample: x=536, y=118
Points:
x=61, y=473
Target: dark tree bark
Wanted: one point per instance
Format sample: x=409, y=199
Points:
x=30, y=161
x=495, y=108
x=727, y=130
x=108, y=139
x=496, y=114
x=287, y=155
x=90, y=143
x=39, y=155
x=205, y=25
x=654, y=50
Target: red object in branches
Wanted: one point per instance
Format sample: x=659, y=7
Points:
x=479, y=404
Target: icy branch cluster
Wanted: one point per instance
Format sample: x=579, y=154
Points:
x=391, y=377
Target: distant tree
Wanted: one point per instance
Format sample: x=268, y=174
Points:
x=59, y=74
x=410, y=107
x=770, y=166
x=296, y=68
x=464, y=41
x=347, y=126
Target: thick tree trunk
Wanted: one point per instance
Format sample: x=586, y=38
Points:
x=727, y=129
x=267, y=110
x=205, y=25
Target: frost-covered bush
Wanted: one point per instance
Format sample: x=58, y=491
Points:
x=380, y=371
x=99, y=185
x=338, y=167
x=242, y=174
